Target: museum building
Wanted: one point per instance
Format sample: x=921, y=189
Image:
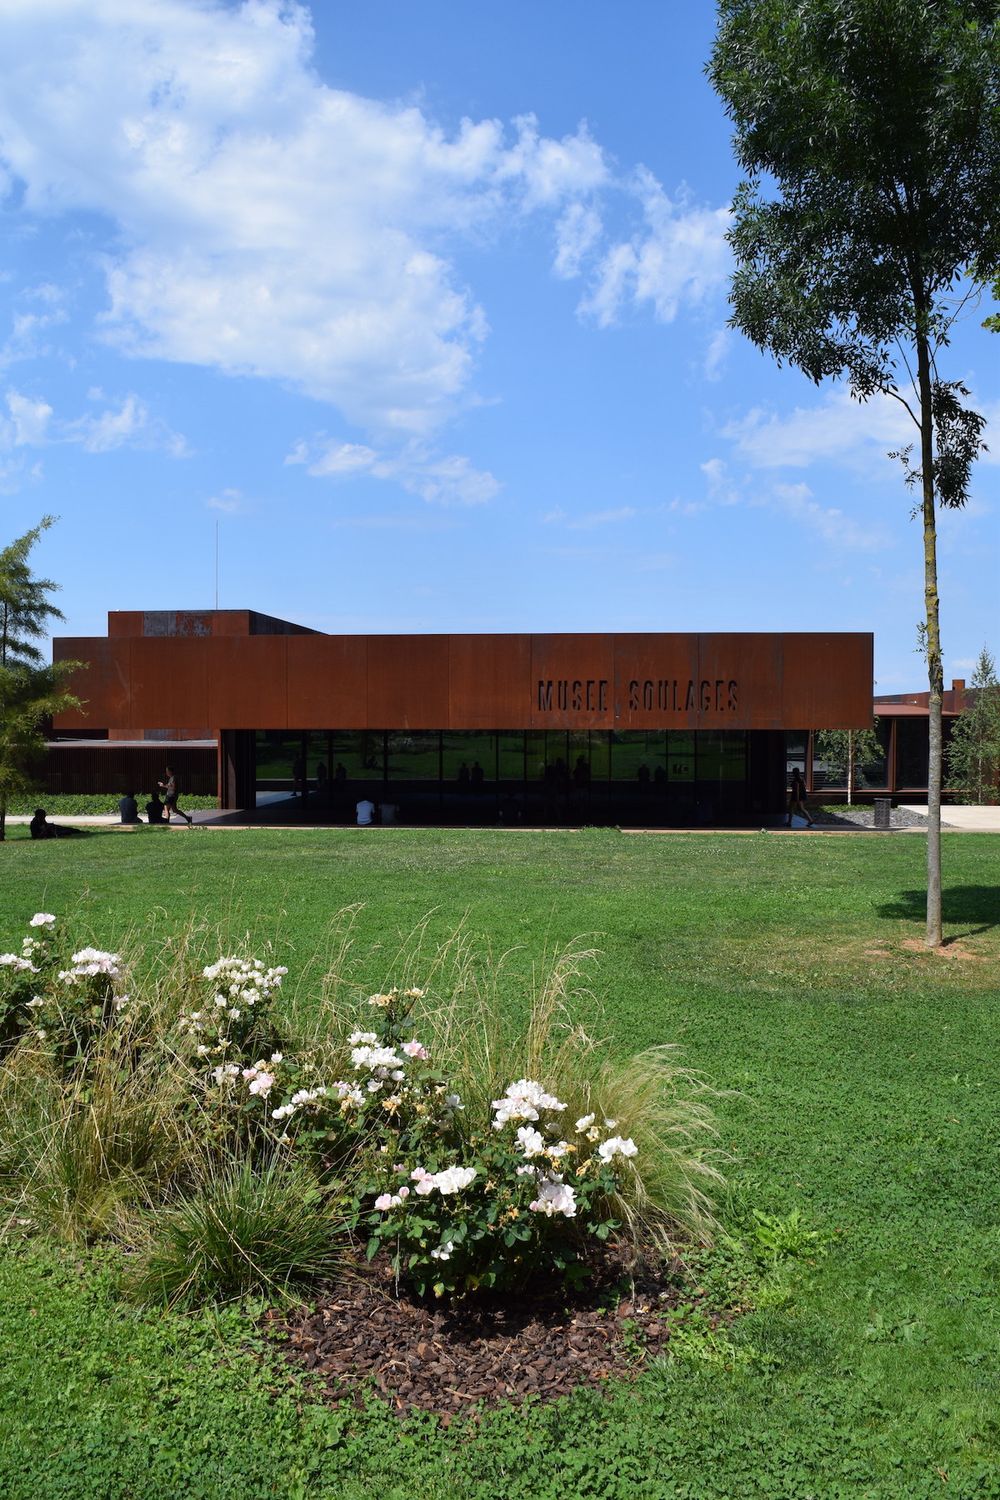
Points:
x=642, y=729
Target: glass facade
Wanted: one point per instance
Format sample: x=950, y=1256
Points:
x=560, y=776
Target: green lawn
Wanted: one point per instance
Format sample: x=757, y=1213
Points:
x=862, y=1078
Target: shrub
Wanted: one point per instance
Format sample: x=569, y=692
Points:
x=21, y=973
x=247, y=1230
x=519, y=1201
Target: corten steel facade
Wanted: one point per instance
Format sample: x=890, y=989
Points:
x=218, y=672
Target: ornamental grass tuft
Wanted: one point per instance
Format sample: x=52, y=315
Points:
x=248, y=1230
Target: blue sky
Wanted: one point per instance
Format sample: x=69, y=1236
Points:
x=425, y=306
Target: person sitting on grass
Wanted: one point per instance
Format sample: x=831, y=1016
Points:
x=128, y=808
x=154, y=811
x=42, y=829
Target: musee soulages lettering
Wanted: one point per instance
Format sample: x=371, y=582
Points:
x=573, y=694
x=664, y=694
x=674, y=694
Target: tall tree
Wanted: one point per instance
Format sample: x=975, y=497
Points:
x=869, y=133
x=30, y=689
x=973, y=755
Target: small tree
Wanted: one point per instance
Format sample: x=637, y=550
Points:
x=847, y=751
x=974, y=753
x=869, y=131
x=31, y=690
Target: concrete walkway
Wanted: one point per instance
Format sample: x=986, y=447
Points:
x=953, y=819
x=965, y=819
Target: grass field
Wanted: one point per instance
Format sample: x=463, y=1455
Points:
x=861, y=1078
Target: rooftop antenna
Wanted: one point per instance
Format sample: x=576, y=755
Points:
x=217, y=564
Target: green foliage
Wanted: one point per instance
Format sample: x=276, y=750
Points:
x=786, y=1237
x=868, y=130
x=247, y=1230
x=25, y=606
x=973, y=753
x=30, y=690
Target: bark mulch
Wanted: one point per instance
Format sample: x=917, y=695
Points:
x=361, y=1335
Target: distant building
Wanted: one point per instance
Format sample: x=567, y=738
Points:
x=902, y=730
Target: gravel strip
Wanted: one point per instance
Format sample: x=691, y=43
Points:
x=864, y=817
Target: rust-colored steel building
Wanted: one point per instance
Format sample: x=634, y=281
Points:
x=652, y=728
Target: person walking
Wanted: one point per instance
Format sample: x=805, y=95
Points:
x=170, y=798
x=797, y=799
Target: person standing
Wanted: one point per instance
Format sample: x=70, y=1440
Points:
x=170, y=797
x=797, y=799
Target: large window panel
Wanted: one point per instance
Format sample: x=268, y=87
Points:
x=639, y=755
x=468, y=757
x=356, y=755
x=510, y=756
x=681, y=764
x=413, y=755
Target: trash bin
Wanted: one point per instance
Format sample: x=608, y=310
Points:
x=883, y=812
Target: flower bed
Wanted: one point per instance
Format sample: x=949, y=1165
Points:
x=186, y=1115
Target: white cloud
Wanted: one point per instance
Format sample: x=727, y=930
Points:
x=849, y=434
x=230, y=502
x=577, y=232
x=25, y=426
x=612, y=517
x=795, y=503
x=717, y=353
x=32, y=424
x=829, y=523
x=721, y=488
x=25, y=340
x=443, y=479
x=268, y=224
x=836, y=430
x=679, y=254
x=30, y=419
x=587, y=522
x=129, y=425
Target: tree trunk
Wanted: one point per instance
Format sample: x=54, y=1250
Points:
x=3, y=819
x=850, y=768
x=935, y=672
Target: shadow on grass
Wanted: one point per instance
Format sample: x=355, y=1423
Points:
x=975, y=905
x=17, y=833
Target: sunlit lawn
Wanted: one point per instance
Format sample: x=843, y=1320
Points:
x=860, y=1085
